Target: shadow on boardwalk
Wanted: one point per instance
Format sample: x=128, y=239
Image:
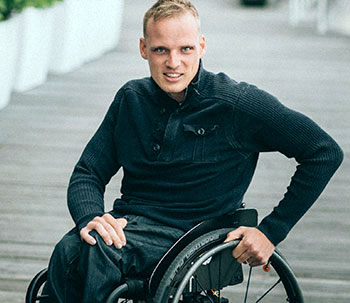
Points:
x=44, y=130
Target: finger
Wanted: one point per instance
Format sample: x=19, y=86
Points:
x=242, y=250
x=118, y=226
x=114, y=236
x=101, y=230
x=237, y=234
x=85, y=236
x=122, y=222
x=242, y=258
x=238, y=251
x=121, y=235
x=234, y=235
x=255, y=263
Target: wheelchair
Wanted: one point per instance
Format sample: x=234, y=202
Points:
x=199, y=268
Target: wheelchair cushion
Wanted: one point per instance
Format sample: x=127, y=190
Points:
x=241, y=217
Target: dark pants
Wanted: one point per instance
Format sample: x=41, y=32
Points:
x=79, y=272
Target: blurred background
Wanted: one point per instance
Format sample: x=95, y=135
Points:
x=61, y=63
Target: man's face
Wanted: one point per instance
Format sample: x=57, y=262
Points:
x=173, y=47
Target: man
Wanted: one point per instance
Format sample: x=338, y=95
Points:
x=188, y=142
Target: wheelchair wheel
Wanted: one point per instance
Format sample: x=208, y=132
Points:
x=205, y=271
x=34, y=290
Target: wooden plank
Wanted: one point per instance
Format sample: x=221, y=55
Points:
x=11, y=296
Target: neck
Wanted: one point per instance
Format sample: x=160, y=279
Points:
x=179, y=97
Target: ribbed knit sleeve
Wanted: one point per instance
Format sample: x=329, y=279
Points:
x=264, y=124
x=94, y=170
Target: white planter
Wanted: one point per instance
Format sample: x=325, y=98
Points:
x=113, y=14
x=90, y=36
x=34, y=48
x=66, y=54
x=83, y=31
x=102, y=27
x=8, y=57
x=339, y=17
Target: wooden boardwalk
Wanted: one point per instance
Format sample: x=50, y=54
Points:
x=43, y=131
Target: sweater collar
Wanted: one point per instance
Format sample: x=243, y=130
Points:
x=192, y=92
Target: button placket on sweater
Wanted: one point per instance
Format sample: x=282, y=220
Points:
x=165, y=152
x=166, y=128
x=157, y=135
x=158, y=131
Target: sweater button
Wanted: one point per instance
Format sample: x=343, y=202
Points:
x=201, y=131
x=156, y=147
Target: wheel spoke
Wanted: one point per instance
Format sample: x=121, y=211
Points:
x=248, y=284
x=203, y=290
x=268, y=291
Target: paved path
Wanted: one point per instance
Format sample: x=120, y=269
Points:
x=43, y=131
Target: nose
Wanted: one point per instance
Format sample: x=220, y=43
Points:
x=173, y=60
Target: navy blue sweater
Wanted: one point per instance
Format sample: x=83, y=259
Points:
x=186, y=163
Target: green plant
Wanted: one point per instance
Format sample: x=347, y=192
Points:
x=40, y=3
x=2, y=9
x=7, y=7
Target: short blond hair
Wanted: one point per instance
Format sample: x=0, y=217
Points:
x=169, y=8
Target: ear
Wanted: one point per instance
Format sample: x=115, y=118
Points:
x=202, y=46
x=143, y=48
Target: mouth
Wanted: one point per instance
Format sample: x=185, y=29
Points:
x=172, y=77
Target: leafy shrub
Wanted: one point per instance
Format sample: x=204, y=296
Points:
x=40, y=3
x=7, y=7
x=2, y=9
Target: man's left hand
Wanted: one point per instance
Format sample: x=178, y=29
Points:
x=254, y=247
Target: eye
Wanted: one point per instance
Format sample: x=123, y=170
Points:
x=159, y=50
x=187, y=48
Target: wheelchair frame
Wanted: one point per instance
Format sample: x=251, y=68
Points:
x=184, y=262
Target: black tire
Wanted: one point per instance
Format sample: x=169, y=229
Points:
x=33, y=294
x=208, y=247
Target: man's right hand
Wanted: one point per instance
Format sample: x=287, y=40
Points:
x=108, y=227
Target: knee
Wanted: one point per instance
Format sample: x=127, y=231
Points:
x=98, y=248
x=91, y=255
x=67, y=248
